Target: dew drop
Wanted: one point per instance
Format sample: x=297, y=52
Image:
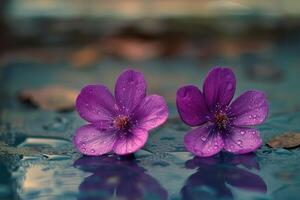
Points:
x=216, y=147
x=203, y=138
x=83, y=149
x=92, y=150
x=243, y=132
x=230, y=86
x=240, y=142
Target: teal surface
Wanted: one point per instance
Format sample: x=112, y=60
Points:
x=38, y=161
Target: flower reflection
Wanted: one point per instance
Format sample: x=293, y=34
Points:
x=215, y=174
x=116, y=178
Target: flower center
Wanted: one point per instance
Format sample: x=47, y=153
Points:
x=122, y=122
x=221, y=120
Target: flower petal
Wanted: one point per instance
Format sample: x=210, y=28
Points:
x=250, y=108
x=151, y=112
x=191, y=106
x=95, y=104
x=130, y=144
x=242, y=140
x=130, y=90
x=92, y=141
x=203, y=141
x=219, y=87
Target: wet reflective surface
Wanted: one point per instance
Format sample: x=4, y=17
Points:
x=216, y=176
x=120, y=178
x=38, y=161
x=49, y=168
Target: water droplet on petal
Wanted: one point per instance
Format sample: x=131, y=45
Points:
x=240, y=142
x=243, y=132
x=92, y=150
x=83, y=149
x=229, y=86
x=203, y=138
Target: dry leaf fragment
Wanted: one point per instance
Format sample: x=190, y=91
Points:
x=85, y=57
x=287, y=140
x=132, y=48
x=55, y=97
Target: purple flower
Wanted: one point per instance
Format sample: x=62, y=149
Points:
x=121, y=123
x=222, y=124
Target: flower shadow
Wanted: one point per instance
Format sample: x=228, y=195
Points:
x=114, y=177
x=215, y=174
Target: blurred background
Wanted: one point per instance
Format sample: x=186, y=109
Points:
x=50, y=49
x=143, y=29
x=75, y=42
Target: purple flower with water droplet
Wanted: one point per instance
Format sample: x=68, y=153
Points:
x=118, y=123
x=221, y=123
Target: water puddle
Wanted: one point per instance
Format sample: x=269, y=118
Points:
x=45, y=142
x=182, y=156
x=141, y=154
x=56, y=172
x=56, y=157
x=43, y=181
x=47, y=173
